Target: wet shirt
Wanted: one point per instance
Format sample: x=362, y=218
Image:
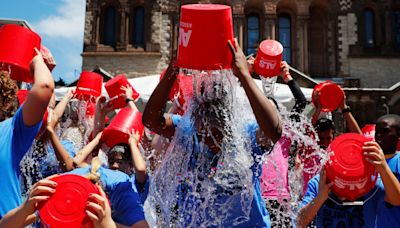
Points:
x=388, y=215
x=15, y=140
x=190, y=196
x=333, y=215
x=125, y=194
x=274, y=177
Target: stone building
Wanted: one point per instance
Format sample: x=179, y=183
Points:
x=355, y=43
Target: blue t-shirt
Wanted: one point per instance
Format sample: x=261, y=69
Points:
x=333, y=215
x=15, y=140
x=126, y=196
x=388, y=215
x=128, y=200
x=258, y=216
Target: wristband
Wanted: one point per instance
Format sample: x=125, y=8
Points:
x=127, y=100
x=348, y=109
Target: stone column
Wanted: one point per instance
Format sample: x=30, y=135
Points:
x=301, y=43
x=270, y=26
x=122, y=42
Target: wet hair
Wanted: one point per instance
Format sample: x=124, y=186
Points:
x=124, y=149
x=324, y=124
x=94, y=176
x=393, y=117
x=8, y=93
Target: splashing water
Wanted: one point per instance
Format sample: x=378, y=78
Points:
x=195, y=188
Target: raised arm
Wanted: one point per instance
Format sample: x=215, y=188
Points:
x=40, y=95
x=103, y=107
x=349, y=118
x=81, y=156
x=153, y=115
x=137, y=159
x=300, y=99
x=265, y=112
x=62, y=155
x=310, y=210
x=60, y=108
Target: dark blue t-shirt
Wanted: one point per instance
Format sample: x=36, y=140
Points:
x=333, y=215
x=126, y=196
x=258, y=216
x=15, y=140
x=388, y=215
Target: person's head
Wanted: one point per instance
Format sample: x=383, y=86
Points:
x=325, y=129
x=119, y=158
x=8, y=96
x=387, y=132
x=210, y=121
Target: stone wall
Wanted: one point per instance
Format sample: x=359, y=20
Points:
x=130, y=64
x=375, y=72
x=347, y=26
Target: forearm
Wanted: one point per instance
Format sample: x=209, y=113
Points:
x=315, y=116
x=298, y=95
x=138, y=163
x=60, y=108
x=153, y=114
x=392, y=186
x=17, y=218
x=265, y=113
x=66, y=161
x=308, y=213
x=81, y=156
x=351, y=123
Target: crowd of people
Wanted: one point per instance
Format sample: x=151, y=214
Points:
x=212, y=185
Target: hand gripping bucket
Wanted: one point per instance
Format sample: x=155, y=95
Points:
x=89, y=85
x=330, y=95
x=368, y=131
x=17, y=51
x=66, y=207
x=118, y=130
x=204, y=31
x=269, y=58
x=351, y=174
x=115, y=92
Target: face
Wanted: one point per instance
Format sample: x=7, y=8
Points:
x=116, y=161
x=325, y=138
x=211, y=136
x=386, y=135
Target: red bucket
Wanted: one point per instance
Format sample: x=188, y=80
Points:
x=17, y=45
x=204, y=31
x=351, y=174
x=368, y=131
x=89, y=85
x=268, y=59
x=115, y=92
x=330, y=95
x=183, y=87
x=118, y=130
x=66, y=207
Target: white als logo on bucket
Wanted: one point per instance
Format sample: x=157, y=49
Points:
x=352, y=185
x=184, y=36
x=267, y=64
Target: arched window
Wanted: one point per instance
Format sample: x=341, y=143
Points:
x=253, y=33
x=137, y=36
x=109, y=29
x=284, y=36
x=396, y=29
x=369, y=28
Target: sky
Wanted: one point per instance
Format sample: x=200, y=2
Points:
x=60, y=23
